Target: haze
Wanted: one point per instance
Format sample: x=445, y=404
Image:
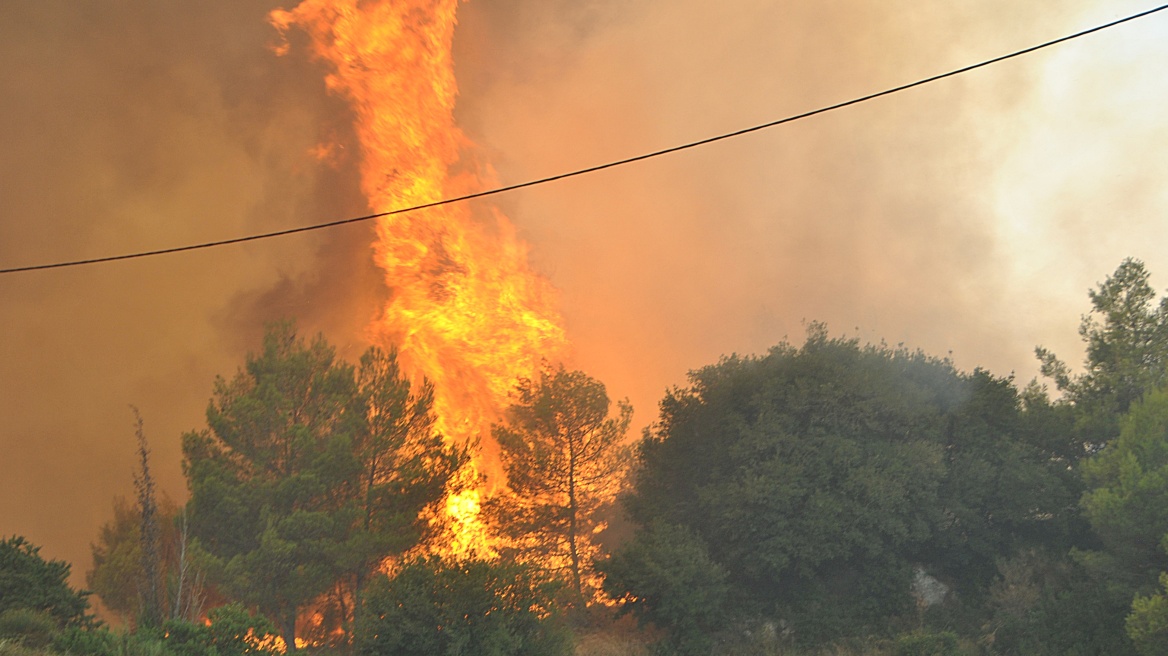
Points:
x=967, y=218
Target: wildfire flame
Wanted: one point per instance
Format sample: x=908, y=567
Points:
x=466, y=310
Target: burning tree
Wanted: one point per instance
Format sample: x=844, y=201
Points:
x=564, y=458
x=467, y=311
x=312, y=474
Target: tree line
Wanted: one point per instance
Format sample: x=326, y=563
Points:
x=831, y=496
x=838, y=492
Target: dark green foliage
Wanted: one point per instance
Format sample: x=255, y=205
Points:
x=233, y=632
x=1126, y=506
x=1127, y=502
x=665, y=577
x=311, y=474
x=1147, y=625
x=817, y=478
x=1126, y=338
x=1049, y=605
x=1006, y=486
x=469, y=608
x=151, y=594
x=782, y=469
x=116, y=576
x=28, y=581
x=34, y=628
x=1121, y=416
x=98, y=641
x=189, y=639
x=922, y=643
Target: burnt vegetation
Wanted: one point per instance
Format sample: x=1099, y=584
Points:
x=827, y=498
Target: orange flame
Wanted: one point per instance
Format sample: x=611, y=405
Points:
x=466, y=310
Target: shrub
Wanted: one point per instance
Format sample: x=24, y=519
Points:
x=34, y=628
x=76, y=641
x=1147, y=625
x=666, y=577
x=14, y=647
x=233, y=632
x=434, y=607
x=919, y=643
x=29, y=581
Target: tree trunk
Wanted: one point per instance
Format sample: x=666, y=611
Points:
x=288, y=630
x=573, y=509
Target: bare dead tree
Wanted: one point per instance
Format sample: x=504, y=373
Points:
x=189, y=592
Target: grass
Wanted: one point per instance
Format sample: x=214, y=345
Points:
x=14, y=647
x=604, y=644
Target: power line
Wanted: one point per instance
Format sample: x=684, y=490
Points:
x=590, y=169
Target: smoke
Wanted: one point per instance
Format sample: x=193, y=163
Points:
x=135, y=125
x=892, y=220
x=968, y=217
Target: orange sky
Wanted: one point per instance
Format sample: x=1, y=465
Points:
x=969, y=217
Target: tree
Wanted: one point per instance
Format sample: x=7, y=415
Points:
x=810, y=475
x=150, y=591
x=819, y=478
x=1128, y=492
x=1007, y=486
x=311, y=473
x=230, y=631
x=117, y=558
x=1116, y=451
x=1147, y=625
x=434, y=607
x=665, y=576
x=564, y=457
x=29, y=582
x=186, y=590
x=1126, y=336
x=118, y=578
x=142, y=561
x=117, y=574
x=1046, y=604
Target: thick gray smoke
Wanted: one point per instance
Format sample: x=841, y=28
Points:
x=969, y=217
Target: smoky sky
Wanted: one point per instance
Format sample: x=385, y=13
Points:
x=136, y=125
x=967, y=218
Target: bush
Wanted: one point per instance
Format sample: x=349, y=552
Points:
x=31, y=582
x=434, y=607
x=76, y=641
x=1147, y=625
x=919, y=643
x=34, y=628
x=233, y=632
x=14, y=647
x=665, y=577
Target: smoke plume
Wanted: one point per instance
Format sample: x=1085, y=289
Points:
x=967, y=218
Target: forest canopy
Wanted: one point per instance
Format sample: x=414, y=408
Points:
x=831, y=497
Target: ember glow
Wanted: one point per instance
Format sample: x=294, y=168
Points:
x=465, y=310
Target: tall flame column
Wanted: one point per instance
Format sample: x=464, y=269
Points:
x=466, y=310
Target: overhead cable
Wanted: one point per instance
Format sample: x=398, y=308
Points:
x=587, y=170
